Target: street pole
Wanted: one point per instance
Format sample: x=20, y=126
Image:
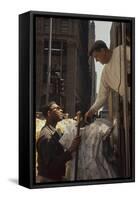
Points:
x=49, y=62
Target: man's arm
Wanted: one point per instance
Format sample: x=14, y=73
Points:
x=51, y=160
x=101, y=97
x=54, y=161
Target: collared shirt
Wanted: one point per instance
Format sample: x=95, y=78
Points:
x=112, y=77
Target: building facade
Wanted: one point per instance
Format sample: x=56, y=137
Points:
x=62, y=70
x=91, y=62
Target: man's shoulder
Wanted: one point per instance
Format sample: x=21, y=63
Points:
x=119, y=48
x=45, y=133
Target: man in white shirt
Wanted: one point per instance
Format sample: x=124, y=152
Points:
x=112, y=75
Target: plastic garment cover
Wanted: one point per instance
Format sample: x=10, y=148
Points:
x=92, y=162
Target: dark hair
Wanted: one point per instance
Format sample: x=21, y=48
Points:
x=46, y=108
x=97, y=46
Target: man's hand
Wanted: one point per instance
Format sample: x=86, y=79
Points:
x=75, y=144
x=88, y=115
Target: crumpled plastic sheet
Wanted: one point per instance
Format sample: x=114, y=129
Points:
x=92, y=164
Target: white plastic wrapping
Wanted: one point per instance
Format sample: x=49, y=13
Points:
x=92, y=164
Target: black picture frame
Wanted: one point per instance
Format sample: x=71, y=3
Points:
x=27, y=98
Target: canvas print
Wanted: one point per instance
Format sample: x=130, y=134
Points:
x=83, y=99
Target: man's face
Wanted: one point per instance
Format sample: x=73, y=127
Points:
x=56, y=113
x=100, y=56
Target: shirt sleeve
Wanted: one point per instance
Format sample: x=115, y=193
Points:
x=102, y=95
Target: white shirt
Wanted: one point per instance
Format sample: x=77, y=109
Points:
x=112, y=77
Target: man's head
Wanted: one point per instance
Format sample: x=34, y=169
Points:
x=52, y=112
x=100, y=52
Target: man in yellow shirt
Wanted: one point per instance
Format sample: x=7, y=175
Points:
x=52, y=156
